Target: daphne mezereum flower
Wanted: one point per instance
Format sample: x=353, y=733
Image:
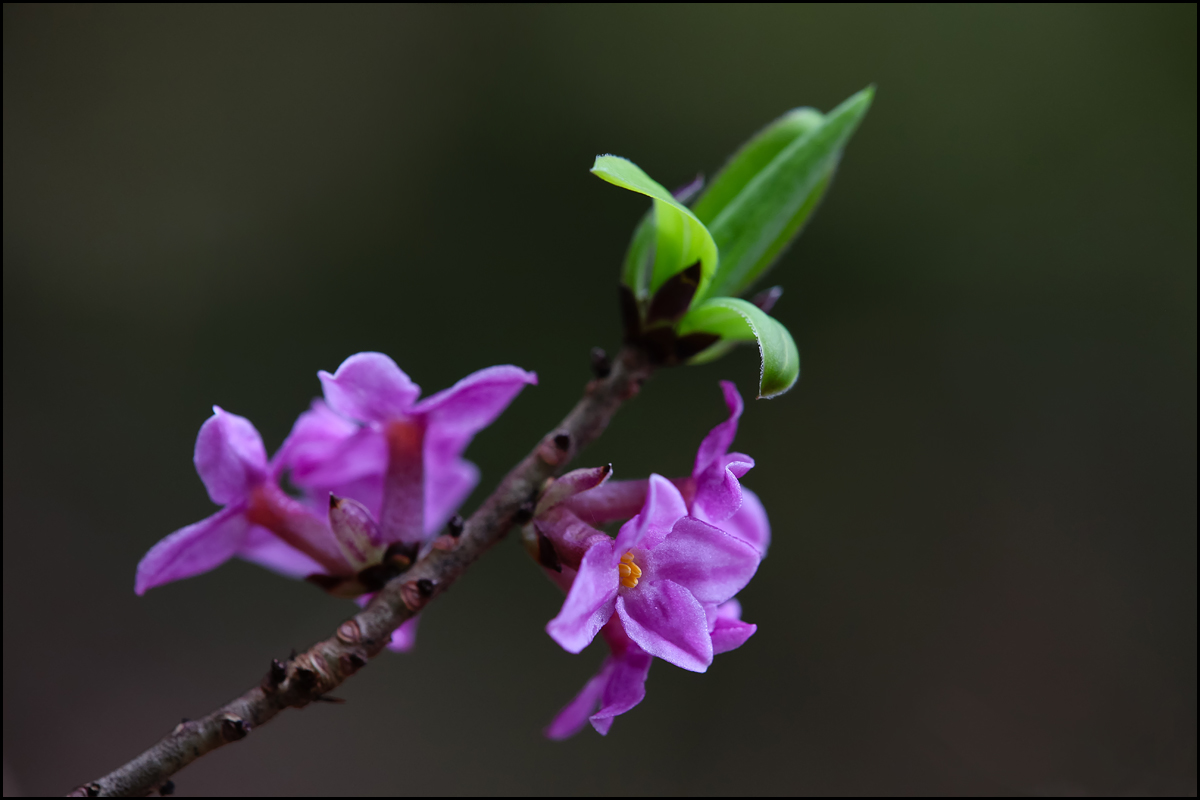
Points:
x=621, y=682
x=712, y=494
x=667, y=567
x=371, y=440
x=261, y=523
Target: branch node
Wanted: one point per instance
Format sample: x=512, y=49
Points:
x=274, y=676
x=455, y=526
x=524, y=513
x=167, y=788
x=233, y=727
x=349, y=632
x=351, y=662
x=416, y=593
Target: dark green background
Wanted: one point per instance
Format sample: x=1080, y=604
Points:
x=983, y=488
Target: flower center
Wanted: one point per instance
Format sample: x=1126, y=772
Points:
x=629, y=571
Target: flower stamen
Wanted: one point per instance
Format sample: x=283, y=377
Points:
x=629, y=571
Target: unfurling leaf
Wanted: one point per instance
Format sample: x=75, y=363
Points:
x=734, y=319
x=679, y=238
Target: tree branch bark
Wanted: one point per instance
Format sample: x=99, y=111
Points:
x=322, y=667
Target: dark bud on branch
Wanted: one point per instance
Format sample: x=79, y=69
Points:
x=233, y=728
x=601, y=364
x=167, y=788
x=416, y=593
x=455, y=526
x=275, y=675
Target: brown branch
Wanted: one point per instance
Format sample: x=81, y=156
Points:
x=318, y=670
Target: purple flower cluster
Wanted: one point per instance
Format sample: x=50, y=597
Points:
x=665, y=586
x=382, y=472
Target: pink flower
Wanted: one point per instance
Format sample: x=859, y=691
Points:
x=705, y=534
x=657, y=577
x=621, y=682
x=373, y=443
x=259, y=522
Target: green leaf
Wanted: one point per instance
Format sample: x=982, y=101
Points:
x=636, y=273
x=753, y=226
x=680, y=238
x=752, y=158
x=734, y=319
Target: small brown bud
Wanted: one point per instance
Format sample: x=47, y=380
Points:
x=416, y=593
x=275, y=675
x=233, y=728
x=601, y=364
x=305, y=679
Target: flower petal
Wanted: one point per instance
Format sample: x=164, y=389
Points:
x=315, y=437
x=369, y=387
x=192, y=550
x=718, y=495
x=750, y=523
x=716, y=443
x=610, y=501
x=229, y=456
x=663, y=507
x=731, y=634
x=710, y=563
x=473, y=403
x=267, y=550
x=573, y=716
x=626, y=686
x=446, y=487
x=404, y=638
x=589, y=604
x=359, y=456
x=665, y=620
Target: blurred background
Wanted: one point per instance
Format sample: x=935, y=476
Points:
x=983, y=488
